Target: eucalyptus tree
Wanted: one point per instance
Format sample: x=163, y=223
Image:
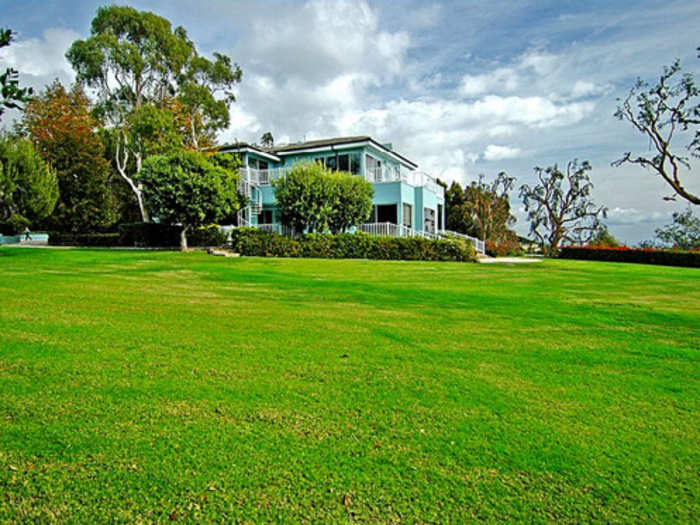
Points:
x=663, y=114
x=155, y=92
x=560, y=208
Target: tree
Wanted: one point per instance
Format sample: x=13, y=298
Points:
x=305, y=198
x=661, y=113
x=187, y=189
x=28, y=187
x=12, y=95
x=60, y=125
x=206, y=92
x=481, y=209
x=139, y=66
x=559, y=207
x=351, y=201
x=314, y=199
x=683, y=233
x=603, y=237
x=267, y=139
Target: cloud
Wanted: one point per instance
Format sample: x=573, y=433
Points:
x=41, y=60
x=494, y=152
x=499, y=80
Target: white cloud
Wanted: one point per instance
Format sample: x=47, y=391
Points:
x=499, y=80
x=494, y=152
x=40, y=60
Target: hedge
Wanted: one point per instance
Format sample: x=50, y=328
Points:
x=142, y=234
x=255, y=242
x=84, y=239
x=632, y=255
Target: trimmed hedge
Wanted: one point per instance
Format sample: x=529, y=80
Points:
x=84, y=239
x=255, y=242
x=631, y=255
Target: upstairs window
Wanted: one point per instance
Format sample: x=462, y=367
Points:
x=343, y=162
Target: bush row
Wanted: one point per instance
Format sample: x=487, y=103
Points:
x=255, y=242
x=141, y=234
x=631, y=255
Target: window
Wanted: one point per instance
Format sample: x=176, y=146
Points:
x=385, y=213
x=440, y=212
x=265, y=217
x=429, y=220
x=374, y=168
x=408, y=215
x=332, y=163
x=257, y=164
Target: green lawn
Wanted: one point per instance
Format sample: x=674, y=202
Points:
x=150, y=386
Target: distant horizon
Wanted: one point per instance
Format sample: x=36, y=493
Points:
x=461, y=88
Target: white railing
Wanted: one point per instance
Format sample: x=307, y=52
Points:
x=478, y=244
x=261, y=177
x=413, y=178
x=255, y=177
x=275, y=227
x=394, y=230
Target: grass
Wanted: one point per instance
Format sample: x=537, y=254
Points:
x=155, y=386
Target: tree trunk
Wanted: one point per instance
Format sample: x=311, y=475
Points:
x=183, y=238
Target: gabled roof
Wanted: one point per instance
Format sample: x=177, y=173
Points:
x=276, y=152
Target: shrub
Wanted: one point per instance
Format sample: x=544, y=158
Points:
x=254, y=242
x=632, y=255
x=207, y=236
x=84, y=239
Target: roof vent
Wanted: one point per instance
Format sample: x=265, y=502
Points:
x=388, y=145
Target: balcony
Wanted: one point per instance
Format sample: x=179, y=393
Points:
x=257, y=177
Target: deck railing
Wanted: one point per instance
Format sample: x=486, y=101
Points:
x=394, y=230
x=258, y=177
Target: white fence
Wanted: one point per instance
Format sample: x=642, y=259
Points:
x=478, y=244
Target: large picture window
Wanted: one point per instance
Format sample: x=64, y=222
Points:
x=343, y=162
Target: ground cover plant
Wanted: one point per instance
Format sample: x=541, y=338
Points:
x=159, y=386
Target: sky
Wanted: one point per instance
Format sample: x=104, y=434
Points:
x=462, y=88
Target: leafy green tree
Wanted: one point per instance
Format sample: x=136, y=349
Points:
x=189, y=190
x=351, y=201
x=305, y=198
x=314, y=199
x=60, y=125
x=683, y=233
x=12, y=95
x=663, y=113
x=28, y=187
x=559, y=207
x=139, y=66
x=205, y=91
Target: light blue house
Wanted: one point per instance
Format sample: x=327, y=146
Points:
x=406, y=201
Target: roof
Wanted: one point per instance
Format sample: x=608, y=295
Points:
x=283, y=149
